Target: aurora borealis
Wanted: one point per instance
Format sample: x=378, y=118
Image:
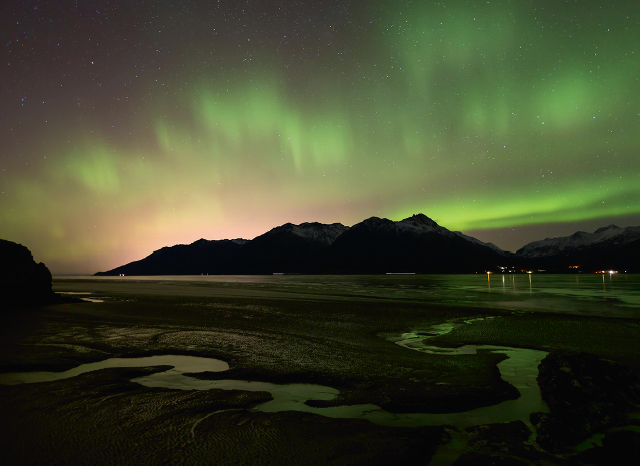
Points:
x=128, y=126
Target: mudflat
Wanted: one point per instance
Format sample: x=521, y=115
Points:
x=334, y=333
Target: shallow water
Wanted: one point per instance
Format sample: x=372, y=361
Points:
x=82, y=295
x=520, y=370
x=611, y=295
x=181, y=364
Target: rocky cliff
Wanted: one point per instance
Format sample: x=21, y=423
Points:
x=22, y=280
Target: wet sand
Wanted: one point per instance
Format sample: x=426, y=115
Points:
x=272, y=333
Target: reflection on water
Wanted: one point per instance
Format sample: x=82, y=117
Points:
x=593, y=294
x=181, y=364
x=74, y=293
x=520, y=369
x=620, y=289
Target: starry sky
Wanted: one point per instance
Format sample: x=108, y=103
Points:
x=131, y=125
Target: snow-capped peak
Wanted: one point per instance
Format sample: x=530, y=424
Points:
x=482, y=243
x=610, y=230
x=420, y=223
x=314, y=231
x=552, y=246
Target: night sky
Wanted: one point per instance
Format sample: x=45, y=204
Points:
x=131, y=125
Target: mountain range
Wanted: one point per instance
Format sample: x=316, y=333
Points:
x=377, y=245
x=607, y=248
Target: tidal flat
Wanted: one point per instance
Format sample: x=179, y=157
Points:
x=436, y=369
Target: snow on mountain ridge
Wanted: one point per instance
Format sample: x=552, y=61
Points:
x=326, y=233
x=203, y=241
x=482, y=243
x=420, y=224
x=416, y=224
x=313, y=231
x=610, y=228
x=552, y=246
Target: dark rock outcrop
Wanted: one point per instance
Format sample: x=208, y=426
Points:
x=22, y=280
x=506, y=443
x=586, y=395
x=619, y=448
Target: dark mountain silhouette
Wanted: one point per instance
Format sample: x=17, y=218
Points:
x=290, y=249
x=610, y=236
x=377, y=245
x=200, y=257
x=489, y=245
x=608, y=248
x=416, y=244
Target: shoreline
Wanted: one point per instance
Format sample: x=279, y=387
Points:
x=275, y=337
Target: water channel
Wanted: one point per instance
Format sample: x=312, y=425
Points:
x=520, y=369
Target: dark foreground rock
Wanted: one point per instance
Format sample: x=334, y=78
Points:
x=22, y=280
x=506, y=443
x=621, y=447
x=586, y=395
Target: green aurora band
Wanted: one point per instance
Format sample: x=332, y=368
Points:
x=485, y=118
